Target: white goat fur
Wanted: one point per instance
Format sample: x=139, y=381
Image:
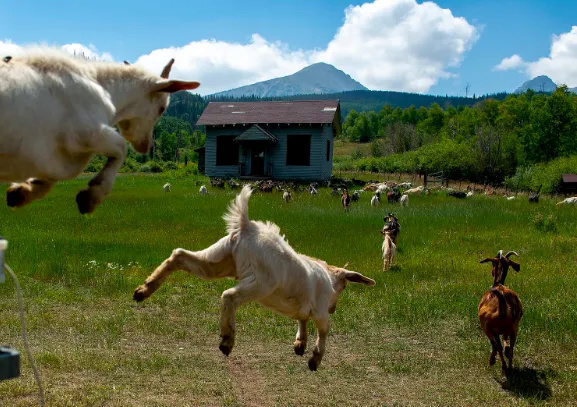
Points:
x=203, y=190
x=375, y=201
x=571, y=201
x=166, y=187
x=404, y=200
x=268, y=271
x=57, y=111
x=286, y=196
x=389, y=250
x=414, y=190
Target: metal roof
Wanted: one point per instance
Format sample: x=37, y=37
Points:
x=284, y=112
x=570, y=178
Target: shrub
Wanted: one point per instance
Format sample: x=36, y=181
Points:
x=548, y=224
x=170, y=165
x=96, y=164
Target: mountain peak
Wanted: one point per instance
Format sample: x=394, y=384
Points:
x=314, y=79
x=541, y=83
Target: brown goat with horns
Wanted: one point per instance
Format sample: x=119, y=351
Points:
x=500, y=310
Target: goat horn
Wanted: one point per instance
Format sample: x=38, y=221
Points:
x=500, y=254
x=512, y=252
x=346, y=264
x=166, y=70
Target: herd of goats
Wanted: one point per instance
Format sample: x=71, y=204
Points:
x=499, y=310
x=58, y=111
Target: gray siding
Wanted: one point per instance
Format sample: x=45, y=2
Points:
x=211, y=169
x=319, y=168
x=327, y=167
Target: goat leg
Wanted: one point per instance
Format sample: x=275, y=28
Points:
x=323, y=325
x=300, y=344
x=114, y=147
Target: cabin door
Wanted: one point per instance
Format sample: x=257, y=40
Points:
x=257, y=160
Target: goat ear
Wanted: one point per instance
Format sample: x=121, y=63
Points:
x=488, y=260
x=174, y=86
x=516, y=266
x=355, y=277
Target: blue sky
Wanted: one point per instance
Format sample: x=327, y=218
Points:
x=129, y=30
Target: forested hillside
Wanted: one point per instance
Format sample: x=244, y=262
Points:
x=521, y=138
x=488, y=142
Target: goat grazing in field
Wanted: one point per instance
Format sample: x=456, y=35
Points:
x=534, y=198
x=404, y=200
x=415, y=190
x=457, y=194
x=57, y=111
x=393, y=195
x=269, y=272
x=166, y=187
x=346, y=200
x=375, y=199
x=286, y=196
x=203, y=190
x=568, y=201
x=500, y=310
x=389, y=249
x=356, y=196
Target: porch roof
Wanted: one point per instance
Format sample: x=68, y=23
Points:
x=255, y=132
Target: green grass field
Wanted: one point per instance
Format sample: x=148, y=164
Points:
x=412, y=340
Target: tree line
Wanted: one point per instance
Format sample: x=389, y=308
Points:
x=487, y=142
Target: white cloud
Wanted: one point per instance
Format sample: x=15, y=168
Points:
x=386, y=45
x=513, y=62
x=219, y=65
x=89, y=52
x=9, y=48
x=399, y=44
x=561, y=64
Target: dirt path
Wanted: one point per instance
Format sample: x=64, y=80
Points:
x=247, y=382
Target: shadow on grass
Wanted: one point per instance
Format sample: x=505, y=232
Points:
x=395, y=268
x=529, y=383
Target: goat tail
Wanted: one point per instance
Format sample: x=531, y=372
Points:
x=236, y=217
x=502, y=302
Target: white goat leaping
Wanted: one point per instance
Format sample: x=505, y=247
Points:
x=269, y=271
x=203, y=190
x=57, y=111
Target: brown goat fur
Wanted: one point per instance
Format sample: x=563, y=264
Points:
x=500, y=311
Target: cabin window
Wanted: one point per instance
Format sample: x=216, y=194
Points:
x=328, y=150
x=226, y=150
x=298, y=151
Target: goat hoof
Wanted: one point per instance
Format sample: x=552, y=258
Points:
x=139, y=294
x=225, y=349
x=313, y=364
x=226, y=344
x=86, y=202
x=15, y=196
x=300, y=348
